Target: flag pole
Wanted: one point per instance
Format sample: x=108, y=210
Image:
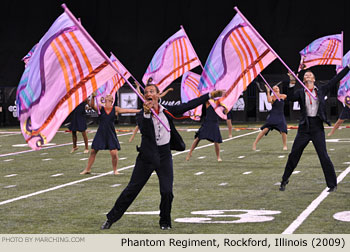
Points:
x=128, y=72
x=266, y=44
x=192, y=48
x=269, y=86
x=102, y=53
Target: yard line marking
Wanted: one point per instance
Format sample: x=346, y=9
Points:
x=246, y=173
x=295, y=172
x=302, y=217
x=8, y=160
x=47, y=159
x=115, y=185
x=57, y=175
x=10, y=175
x=241, y=157
x=202, y=157
x=48, y=147
x=82, y=159
x=282, y=156
x=60, y=186
x=198, y=173
x=10, y=186
x=103, y=174
x=222, y=184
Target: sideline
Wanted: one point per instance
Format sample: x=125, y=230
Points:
x=103, y=174
x=314, y=204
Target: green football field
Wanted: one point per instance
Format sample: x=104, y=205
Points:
x=43, y=192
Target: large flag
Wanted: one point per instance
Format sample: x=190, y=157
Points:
x=64, y=69
x=189, y=91
x=116, y=82
x=236, y=58
x=175, y=57
x=344, y=86
x=323, y=51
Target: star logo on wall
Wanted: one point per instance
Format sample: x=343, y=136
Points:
x=129, y=101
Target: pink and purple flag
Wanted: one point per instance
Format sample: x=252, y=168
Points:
x=64, y=69
x=29, y=55
x=175, y=57
x=189, y=91
x=344, y=86
x=113, y=84
x=236, y=58
x=323, y=51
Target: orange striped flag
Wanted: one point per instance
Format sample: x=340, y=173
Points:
x=175, y=57
x=64, y=69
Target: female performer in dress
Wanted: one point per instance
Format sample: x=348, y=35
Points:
x=106, y=137
x=345, y=114
x=275, y=119
x=209, y=130
x=78, y=123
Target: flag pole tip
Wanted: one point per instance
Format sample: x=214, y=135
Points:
x=235, y=8
x=64, y=6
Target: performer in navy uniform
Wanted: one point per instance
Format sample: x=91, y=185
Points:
x=344, y=115
x=313, y=115
x=209, y=130
x=78, y=123
x=106, y=137
x=229, y=122
x=275, y=120
x=155, y=155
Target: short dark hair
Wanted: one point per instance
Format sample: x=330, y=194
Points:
x=153, y=85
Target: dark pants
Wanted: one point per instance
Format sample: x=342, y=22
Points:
x=314, y=132
x=141, y=173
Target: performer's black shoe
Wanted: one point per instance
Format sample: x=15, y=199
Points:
x=107, y=224
x=165, y=226
x=332, y=189
x=283, y=185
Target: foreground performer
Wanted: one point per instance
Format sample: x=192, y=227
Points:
x=275, y=119
x=155, y=154
x=209, y=130
x=106, y=138
x=313, y=115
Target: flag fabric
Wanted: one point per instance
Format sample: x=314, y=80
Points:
x=323, y=51
x=175, y=57
x=344, y=86
x=113, y=84
x=189, y=91
x=64, y=69
x=28, y=55
x=236, y=58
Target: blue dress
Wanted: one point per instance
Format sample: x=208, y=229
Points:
x=345, y=114
x=106, y=137
x=209, y=129
x=275, y=119
x=78, y=118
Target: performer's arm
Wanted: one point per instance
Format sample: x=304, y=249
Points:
x=182, y=108
x=119, y=110
x=269, y=98
x=92, y=102
x=166, y=92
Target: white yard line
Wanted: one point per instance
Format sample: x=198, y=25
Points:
x=103, y=174
x=302, y=217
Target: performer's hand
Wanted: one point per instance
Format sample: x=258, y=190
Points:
x=147, y=107
x=217, y=93
x=225, y=111
x=291, y=78
x=94, y=94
